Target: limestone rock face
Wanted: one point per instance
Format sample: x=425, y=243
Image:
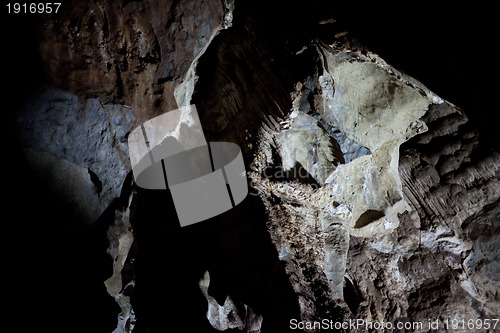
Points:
x=86, y=133
x=368, y=100
x=307, y=143
x=229, y=315
x=368, y=233
x=121, y=283
x=437, y=225
x=136, y=52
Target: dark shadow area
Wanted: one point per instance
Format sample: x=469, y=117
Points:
x=352, y=295
x=368, y=217
x=234, y=247
x=22, y=66
x=55, y=272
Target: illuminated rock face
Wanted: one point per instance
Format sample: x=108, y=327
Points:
x=368, y=232
x=374, y=195
x=375, y=107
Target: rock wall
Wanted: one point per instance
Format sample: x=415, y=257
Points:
x=371, y=197
x=362, y=239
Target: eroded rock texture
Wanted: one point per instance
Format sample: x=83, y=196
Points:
x=388, y=236
x=370, y=196
x=229, y=315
